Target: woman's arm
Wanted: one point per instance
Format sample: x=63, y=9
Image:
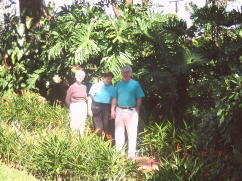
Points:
x=68, y=97
x=89, y=105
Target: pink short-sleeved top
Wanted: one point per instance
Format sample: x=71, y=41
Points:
x=76, y=93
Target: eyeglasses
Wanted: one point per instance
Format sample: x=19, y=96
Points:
x=126, y=72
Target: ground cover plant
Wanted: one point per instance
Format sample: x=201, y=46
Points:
x=52, y=151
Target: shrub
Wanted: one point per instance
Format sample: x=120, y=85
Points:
x=31, y=111
x=180, y=169
x=64, y=155
x=9, y=144
x=161, y=140
x=35, y=136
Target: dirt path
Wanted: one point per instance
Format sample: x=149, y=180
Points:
x=147, y=164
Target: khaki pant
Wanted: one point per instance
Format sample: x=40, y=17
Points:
x=126, y=118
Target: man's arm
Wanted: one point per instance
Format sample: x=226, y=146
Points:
x=138, y=104
x=113, y=108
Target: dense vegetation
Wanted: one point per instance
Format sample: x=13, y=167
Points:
x=191, y=76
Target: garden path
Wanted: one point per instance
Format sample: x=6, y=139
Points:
x=147, y=164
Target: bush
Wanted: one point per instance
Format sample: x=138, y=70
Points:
x=161, y=140
x=63, y=155
x=9, y=144
x=40, y=141
x=180, y=169
x=31, y=111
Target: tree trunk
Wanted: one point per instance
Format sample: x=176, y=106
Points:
x=116, y=10
x=145, y=2
x=129, y=2
x=32, y=8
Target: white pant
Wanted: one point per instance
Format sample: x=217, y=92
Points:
x=78, y=115
x=126, y=118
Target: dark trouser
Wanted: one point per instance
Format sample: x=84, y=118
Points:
x=101, y=115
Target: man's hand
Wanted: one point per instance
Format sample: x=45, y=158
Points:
x=137, y=110
x=138, y=104
x=113, y=107
x=113, y=114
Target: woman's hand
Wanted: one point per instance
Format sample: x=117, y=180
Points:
x=89, y=105
x=89, y=113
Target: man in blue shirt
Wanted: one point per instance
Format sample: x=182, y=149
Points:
x=101, y=94
x=126, y=103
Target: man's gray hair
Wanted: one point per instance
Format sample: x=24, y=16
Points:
x=127, y=68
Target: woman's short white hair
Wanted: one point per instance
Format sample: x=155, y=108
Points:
x=80, y=74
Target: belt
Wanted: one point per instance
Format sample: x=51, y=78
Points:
x=130, y=108
x=101, y=104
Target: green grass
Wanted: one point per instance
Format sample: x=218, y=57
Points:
x=10, y=174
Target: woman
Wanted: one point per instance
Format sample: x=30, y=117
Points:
x=78, y=103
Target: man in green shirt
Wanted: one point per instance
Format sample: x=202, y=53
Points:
x=126, y=102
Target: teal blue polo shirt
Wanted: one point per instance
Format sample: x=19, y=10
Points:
x=101, y=93
x=127, y=93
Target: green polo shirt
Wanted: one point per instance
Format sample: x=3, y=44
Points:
x=127, y=93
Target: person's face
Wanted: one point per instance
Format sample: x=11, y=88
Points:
x=127, y=74
x=107, y=80
x=79, y=79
